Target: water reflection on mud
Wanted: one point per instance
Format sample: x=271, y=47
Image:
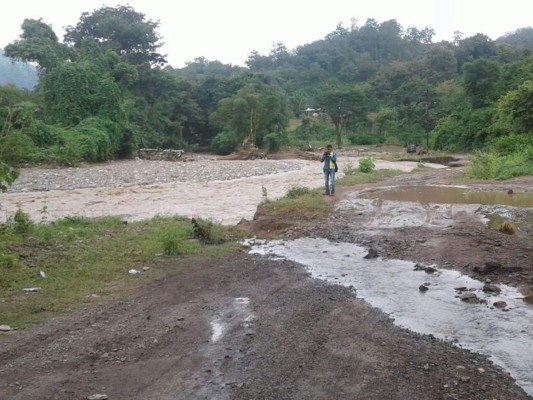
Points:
x=393, y=286
x=450, y=195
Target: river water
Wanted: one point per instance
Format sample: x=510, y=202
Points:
x=506, y=336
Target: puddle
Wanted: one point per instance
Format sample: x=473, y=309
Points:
x=218, y=329
x=237, y=314
x=450, y=195
x=393, y=287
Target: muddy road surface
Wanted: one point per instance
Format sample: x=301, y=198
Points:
x=259, y=327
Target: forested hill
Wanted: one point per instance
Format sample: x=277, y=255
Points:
x=105, y=90
x=22, y=75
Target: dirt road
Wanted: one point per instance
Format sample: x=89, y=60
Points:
x=250, y=327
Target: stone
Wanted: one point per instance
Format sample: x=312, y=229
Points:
x=5, y=328
x=500, y=304
x=419, y=267
x=372, y=253
x=423, y=288
x=32, y=289
x=491, y=288
x=491, y=267
x=430, y=270
x=469, y=298
x=98, y=396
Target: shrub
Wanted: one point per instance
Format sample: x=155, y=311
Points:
x=272, y=142
x=17, y=148
x=22, y=223
x=482, y=165
x=507, y=228
x=224, y=143
x=365, y=139
x=366, y=165
x=99, y=139
x=506, y=145
x=349, y=169
x=297, y=191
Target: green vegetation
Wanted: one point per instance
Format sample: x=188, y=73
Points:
x=355, y=177
x=103, y=93
x=82, y=258
x=366, y=165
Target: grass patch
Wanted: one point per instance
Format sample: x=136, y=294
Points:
x=300, y=207
x=81, y=257
x=357, y=178
x=312, y=205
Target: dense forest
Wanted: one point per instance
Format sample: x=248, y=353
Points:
x=105, y=90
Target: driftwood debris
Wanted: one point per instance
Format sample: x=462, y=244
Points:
x=160, y=154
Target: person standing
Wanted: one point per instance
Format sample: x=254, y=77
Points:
x=329, y=158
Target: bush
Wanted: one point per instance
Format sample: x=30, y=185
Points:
x=365, y=139
x=17, y=148
x=366, y=165
x=99, y=139
x=349, y=169
x=22, y=223
x=297, y=191
x=7, y=176
x=482, y=165
x=506, y=145
x=273, y=142
x=224, y=143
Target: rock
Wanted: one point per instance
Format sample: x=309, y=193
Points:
x=43, y=274
x=491, y=267
x=430, y=270
x=461, y=288
x=469, y=298
x=146, y=268
x=529, y=298
x=5, y=328
x=134, y=272
x=491, y=288
x=423, y=288
x=500, y=304
x=419, y=267
x=98, y=396
x=465, y=379
x=372, y=253
x=32, y=289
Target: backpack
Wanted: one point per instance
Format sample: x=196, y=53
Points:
x=336, y=166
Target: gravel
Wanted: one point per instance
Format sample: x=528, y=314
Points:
x=144, y=172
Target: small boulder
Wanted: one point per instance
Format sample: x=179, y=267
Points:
x=488, y=288
x=469, y=297
x=529, y=298
x=423, y=288
x=5, y=328
x=500, y=304
x=372, y=253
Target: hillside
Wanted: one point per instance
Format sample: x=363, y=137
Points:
x=22, y=75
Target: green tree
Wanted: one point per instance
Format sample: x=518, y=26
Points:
x=121, y=29
x=344, y=106
x=515, y=108
x=480, y=80
x=254, y=111
x=39, y=44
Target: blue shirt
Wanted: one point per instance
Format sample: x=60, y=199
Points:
x=329, y=161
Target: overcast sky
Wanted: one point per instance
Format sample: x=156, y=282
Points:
x=228, y=30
